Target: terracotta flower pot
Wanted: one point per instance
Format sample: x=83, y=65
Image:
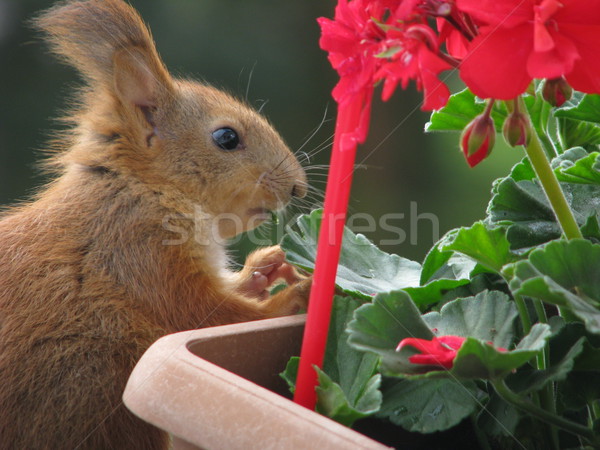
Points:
x=219, y=388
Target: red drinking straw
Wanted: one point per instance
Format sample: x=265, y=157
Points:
x=337, y=194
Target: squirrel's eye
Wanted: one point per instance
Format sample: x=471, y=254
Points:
x=226, y=138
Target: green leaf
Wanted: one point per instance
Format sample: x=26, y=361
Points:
x=477, y=359
x=564, y=273
x=579, y=390
x=290, y=374
x=363, y=270
x=346, y=366
x=498, y=418
x=427, y=406
x=575, y=133
x=578, y=166
x=489, y=316
x=591, y=229
x=333, y=402
x=582, y=385
x=534, y=380
x=575, y=165
x=349, y=383
x=434, y=291
x=489, y=247
x=379, y=327
x=581, y=107
x=461, y=109
x=523, y=206
x=521, y=201
x=521, y=171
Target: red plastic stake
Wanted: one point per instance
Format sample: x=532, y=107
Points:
x=337, y=194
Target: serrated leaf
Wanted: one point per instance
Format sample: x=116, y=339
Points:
x=578, y=167
x=477, y=359
x=567, y=167
x=580, y=390
x=523, y=206
x=378, y=327
x=575, y=133
x=498, y=418
x=584, y=107
x=349, y=368
x=434, y=291
x=521, y=171
x=333, y=403
x=489, y=247
x=489, y=316
x=364, y=270
x=290, y=374
x=441, y=273
x=564, y=273
x=591, y=229
x=535, y=380
x=427, y=406
x=461, y=109
x=349, y=382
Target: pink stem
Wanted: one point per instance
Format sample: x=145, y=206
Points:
x=337, y=194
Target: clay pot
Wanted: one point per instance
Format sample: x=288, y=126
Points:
x=218, y=388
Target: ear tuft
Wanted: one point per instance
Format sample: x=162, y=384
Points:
x=107, y=41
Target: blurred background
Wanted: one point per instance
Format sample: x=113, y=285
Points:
x=413, y=186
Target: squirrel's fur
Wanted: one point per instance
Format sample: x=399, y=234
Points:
x=108, y=257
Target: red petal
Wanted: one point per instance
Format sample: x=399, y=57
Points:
x=423, y=345
x=506, y=13
x=454, y=342
x=496, y=64
x=435, y=93
x=555, y=62
x=584, y=76
x=445, y=361
x=578, y=12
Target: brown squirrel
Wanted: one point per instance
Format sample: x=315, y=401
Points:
x=89, y=275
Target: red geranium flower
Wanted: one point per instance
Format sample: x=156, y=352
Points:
x=439, y=351
x=352, y=40
x=525, y=39
x=367, y=42
x=416, y=59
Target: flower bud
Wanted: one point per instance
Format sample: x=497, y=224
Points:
x=516, y=129
x=557, y=91
x=478, y=138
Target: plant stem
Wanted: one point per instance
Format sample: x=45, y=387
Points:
x=523, y=314
x=551, y=187
x=548, y=401
x=479, y=434
x=572, y=427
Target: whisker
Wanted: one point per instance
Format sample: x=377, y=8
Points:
x=249, y=81
x=263, y=104
x=316, y=130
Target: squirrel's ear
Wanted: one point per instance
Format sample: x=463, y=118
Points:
x=138, y=78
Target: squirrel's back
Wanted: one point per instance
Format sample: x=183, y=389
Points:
x=126, y=244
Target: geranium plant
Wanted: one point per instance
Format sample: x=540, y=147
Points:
x=501, y=321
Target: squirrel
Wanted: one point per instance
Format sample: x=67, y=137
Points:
x=94, y=269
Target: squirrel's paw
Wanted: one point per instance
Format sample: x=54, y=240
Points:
x=263, y=267
x=289, y=300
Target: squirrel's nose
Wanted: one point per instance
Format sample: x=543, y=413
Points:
x=299, y=189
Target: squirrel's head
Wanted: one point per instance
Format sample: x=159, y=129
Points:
x=225, y=155
x=189, y=140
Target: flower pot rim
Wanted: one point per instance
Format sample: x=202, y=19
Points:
x=204, y=404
